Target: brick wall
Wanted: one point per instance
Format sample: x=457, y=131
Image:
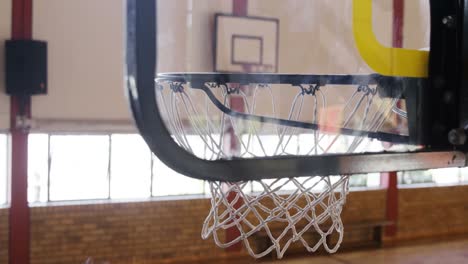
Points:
x=120, y=233
x=144, y=232
x=149, y=232
x=432, y=212
x=364, y=206
x=3, y=235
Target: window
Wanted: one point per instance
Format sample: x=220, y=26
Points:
x=436, y=177
x=38, y=168
x=79, y=167
x=446, y=176
x=121, y=166
x=3, y=168
x=130, y=167
x=168, y=182
x=117, y=166
x=464, y=175
x=371, y=180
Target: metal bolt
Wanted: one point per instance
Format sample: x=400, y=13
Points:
x=457, y=137
x=448, y=97
x=449, y=21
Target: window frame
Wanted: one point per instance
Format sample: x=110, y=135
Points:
x=7, y=187
x=459, y=182
x=203, y=194
x=152, y=196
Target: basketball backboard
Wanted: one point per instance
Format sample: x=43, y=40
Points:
x=287, y=89
x=342, y=91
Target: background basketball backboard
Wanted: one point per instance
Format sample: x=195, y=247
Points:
x=246, y=44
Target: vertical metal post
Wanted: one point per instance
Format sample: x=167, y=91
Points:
x=239, y=8
x=398, y=23
x=390, y=180
x=19, y=224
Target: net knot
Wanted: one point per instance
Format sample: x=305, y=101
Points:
x=310, y=89
x=176, y=87
x=233, y=89
x=367, y=90
x=212, y=85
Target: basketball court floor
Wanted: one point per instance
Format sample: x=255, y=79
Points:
x=447, y=252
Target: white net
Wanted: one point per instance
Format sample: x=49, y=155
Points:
x=272, y=215
x=309, y=215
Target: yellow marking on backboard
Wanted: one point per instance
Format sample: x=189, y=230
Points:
x=384, y=60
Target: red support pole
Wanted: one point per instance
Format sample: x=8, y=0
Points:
x=398, y=22
x=239, y=8
x=390, y=180
x=19, y=224
x=232, y=233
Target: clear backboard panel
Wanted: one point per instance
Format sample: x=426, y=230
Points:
x=297, y=79
x=327, y=99
x=278, y=37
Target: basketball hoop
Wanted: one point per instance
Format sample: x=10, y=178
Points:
x=199, y=104
x=278, y=132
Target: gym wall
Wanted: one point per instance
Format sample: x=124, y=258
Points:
x=5, y=33
x=151, y=232
x=147, y=232
x=416, y=33
x=86, y=63
x=86, y=50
